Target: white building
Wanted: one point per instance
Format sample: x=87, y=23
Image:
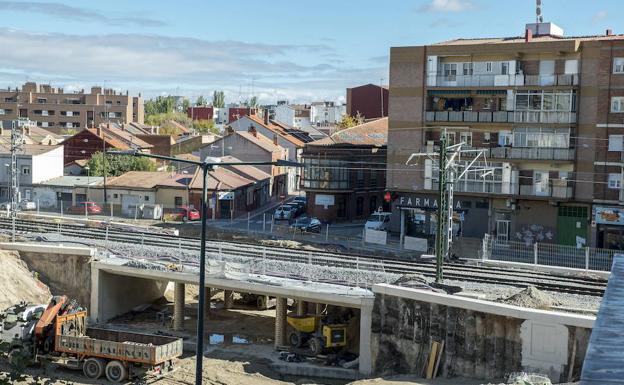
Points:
x=326, y=113
x=35, y=164
x=293, y=115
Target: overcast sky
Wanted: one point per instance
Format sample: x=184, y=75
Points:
x=277, y=49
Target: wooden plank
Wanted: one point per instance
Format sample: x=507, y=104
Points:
x=432, y=359
x=438, y=359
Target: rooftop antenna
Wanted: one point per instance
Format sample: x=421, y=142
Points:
x=538, y=11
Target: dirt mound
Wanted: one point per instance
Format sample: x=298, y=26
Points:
x=17, y=283
x=530, y=297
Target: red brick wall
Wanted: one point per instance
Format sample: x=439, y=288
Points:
x=200, y=113
x=367, y=101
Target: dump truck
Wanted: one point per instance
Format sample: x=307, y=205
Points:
x=58, y=333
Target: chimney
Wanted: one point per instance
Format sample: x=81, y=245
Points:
x=275, y=139
x=266, y=116
x=253, y=131
x=609, y=32
x=99, y=131
x=528, y=35
x=26, y=130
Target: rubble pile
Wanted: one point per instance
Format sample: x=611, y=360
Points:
x=530, y=297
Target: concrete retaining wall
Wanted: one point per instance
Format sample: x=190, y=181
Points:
x=477, y=343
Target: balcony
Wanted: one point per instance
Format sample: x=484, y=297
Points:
x=561, y=192
x=517, y=80
x=560, y=117
x=537, y=153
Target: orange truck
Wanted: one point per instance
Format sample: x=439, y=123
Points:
x=59, y=334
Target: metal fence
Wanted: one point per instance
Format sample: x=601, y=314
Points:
x=547, y=254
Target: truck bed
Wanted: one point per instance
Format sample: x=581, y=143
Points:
x=120, y=345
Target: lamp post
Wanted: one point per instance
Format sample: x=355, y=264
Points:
x=205, y=167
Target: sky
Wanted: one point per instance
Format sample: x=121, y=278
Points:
x=273, y=49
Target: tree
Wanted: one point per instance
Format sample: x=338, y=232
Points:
x=205, y=126
x=118, y=164
x=162, y=118
x=185, y=105
x=253, y=102
x=201, y=101
x=160, y=105
x=347, y=121
x=218, y=99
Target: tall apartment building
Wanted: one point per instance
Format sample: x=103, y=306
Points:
x=56, y=110
x=548, y=111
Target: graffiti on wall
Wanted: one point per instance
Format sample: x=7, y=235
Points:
x=529, y=234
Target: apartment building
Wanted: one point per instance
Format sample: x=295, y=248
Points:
x=56, y=110
x=547, y=112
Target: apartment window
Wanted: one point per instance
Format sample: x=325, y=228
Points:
x=615, y=181
x=486, y=138
x=450, y=70
x=115, y=196
x=546, y=101
x=540, y=182
x=466, y=138
x=618, y=65
x=109, y=102
x=177, y=201
x=571, y=67
x=617, y=104
x=488, y=66
x=3, y=111
x=541, y=137
x=146, y=198
x=505, y=68
x=467, y=69
x=616, y=142
x=10, y=100
x=119, y=102
x=26, y=170
x=42, y=100
x=505, y=138
x=450, y=138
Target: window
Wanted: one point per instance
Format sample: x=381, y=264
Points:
x=115, y=196
x=450, y=138
x=42, y=100
x=618, y=65
x=571, y=67
x=615, y=181
x=360, y=174
x=540, y=182
x=177, y=201
x=486, y=138
x=372, y=205
x=505, y=138
x=450, y=70
x=359, y=206
x=146, y=198
x=617, y=104
x=488, y=66
x=2, y=111
x=467, y=69
x=26, y=170
x=505, y=68
x=541, y=137
x=616, y=142
x=466, y=138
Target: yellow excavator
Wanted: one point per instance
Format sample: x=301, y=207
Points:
x=315, y=333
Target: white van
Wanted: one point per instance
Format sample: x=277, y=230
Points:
x=378, y=221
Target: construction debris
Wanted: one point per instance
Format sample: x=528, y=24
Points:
x=522, y=378
x=531, y=297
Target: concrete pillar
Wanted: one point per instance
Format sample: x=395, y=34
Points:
x=366, y=318
x=228, y=299
x=280, y=321
x=301, y=307
x=318, y=308
x=207, y=294
x=178, y=306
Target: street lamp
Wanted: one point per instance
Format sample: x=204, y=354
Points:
x=88, y=179
x=205, y=167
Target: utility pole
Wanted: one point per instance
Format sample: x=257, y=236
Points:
x=449, y=163
x=16, y=145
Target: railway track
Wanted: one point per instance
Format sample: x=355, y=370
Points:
x=454, y=271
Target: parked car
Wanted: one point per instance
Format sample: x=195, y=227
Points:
x=307, y=224
x=182, y=213
x=300, y=207
x=90, y=207
x=302, y=199
x=284, y=212
x=378, y=221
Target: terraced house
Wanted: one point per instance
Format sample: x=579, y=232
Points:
x=548, y=111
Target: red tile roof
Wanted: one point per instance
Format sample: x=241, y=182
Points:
x=373, y=133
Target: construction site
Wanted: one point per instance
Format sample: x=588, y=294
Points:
x=280, y=315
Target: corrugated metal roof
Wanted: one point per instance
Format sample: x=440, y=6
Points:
x=604, y=360
x=373, y=133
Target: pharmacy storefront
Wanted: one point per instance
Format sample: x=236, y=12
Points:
x=415, y=216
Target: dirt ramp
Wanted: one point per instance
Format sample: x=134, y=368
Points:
x=17, y=283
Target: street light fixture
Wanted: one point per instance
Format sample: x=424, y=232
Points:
x=205, y=167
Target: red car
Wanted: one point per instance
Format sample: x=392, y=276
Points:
x=91, y=208
x=182, y=213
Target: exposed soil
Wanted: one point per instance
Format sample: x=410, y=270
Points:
x=17, y=283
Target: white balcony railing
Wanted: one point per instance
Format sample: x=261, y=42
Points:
x=537, y=153
x=561, y=117
x=544, y=117
x=501, y=80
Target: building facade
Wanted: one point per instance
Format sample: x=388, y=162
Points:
x=544, y=109
x=326, y=113
x=56, y=110
x=344, y=174
x=368, y=101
